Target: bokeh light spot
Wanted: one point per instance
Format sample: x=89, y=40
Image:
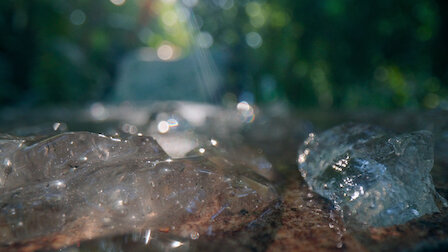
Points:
x=204, y=40
x=190, y=3
x=254, y=40
x=169, y=18
x=163, y=127
x=165, y=52
x=77, y=17
x=118, y=2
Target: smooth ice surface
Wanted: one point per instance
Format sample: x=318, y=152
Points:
x=376, y=177
x=88, y=185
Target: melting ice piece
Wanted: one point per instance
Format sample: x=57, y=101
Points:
x=67, y=154
x=378, y=178
x=77, y=186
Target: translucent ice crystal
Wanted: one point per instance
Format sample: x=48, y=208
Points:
x=84, y=185
x=376, y=177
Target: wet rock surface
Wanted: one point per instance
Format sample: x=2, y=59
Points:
x=229, y=142
x=310, y=223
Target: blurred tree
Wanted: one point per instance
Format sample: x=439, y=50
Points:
x=319, y=53
x=61, y=51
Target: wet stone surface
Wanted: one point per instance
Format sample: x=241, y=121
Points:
x=192, y=177
x=310, y=223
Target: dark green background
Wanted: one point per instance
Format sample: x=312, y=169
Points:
x=347, y=54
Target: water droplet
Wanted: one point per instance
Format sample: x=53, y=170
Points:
x=56, y=126
x=7, y=162
x=340, y=244
x=58, y=184
x=176, y=244
x=194, y=235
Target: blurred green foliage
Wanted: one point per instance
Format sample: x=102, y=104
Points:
x=311, y=53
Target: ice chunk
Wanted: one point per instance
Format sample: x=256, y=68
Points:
x=84, y=185
x=378, y=178
x=68, y=153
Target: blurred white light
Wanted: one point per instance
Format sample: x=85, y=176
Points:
x=98, y=111
x=56, y=125
x=176, y=244
x=147, y=236
x=190, y=3
x=201, y=150
x=129, y=128
x=246, y=111
x=214, y=142
x=118, y=2
x=58, y=184
x=7, y=162
x=165, y=52
x=77, y=17
x=163, y=127
x=254, y=40
x=243, y=106
x=204, y=40
x=169, y=18
x=196, y=114
x=176, y=145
